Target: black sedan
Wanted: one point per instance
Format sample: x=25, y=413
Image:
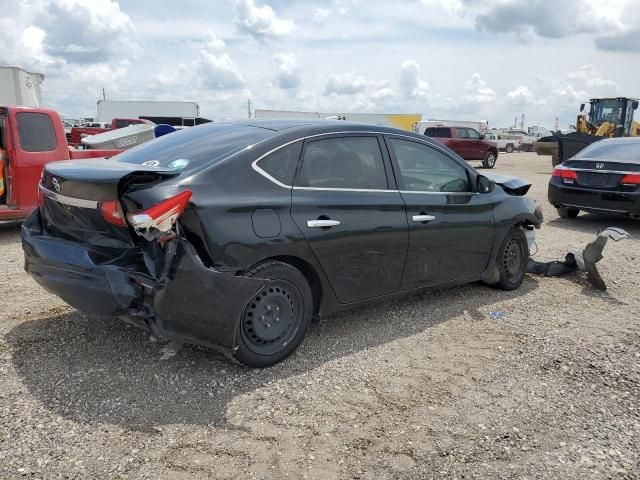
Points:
x=236, y=235
x=602, y=178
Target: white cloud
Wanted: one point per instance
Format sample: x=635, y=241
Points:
x=411, y=83
x=521, y=96
x=288, y=70
x=478, y=91
x=345, y=84
x=320, y=16
x=215, y=67
x=261, y=21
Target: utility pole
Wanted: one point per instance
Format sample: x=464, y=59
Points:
x=522, y=122
x=557, y=124
x=104, y=95
x=249, y=107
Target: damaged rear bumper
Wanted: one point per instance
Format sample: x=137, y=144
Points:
x=174, y=293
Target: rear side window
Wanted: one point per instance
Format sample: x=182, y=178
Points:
x=36, y=132
x=282, y=163
x=438, y=132
x=345, y=162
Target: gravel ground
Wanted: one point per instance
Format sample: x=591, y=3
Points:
x=431, y=386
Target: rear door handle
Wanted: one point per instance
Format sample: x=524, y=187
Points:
x=322, y=223
x=423, y=218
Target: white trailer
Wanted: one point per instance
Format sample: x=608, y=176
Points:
x=403, y=121
x=152, y=110
x=480, y=125
x=19, y=87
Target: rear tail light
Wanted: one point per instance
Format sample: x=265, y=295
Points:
x=161, y=216
x=566, y=174
x=631, y=179
x=112, y=213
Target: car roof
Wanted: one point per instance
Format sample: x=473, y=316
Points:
x=622, y=140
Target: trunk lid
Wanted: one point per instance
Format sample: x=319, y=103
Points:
x=602, y=174
x=72, y=193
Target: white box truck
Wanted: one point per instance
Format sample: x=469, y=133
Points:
x=20, y=87
x=173, y=113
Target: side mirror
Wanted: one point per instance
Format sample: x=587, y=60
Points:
x=582, y=107
x=634, y=104
x=484, y=185
x=482, y=137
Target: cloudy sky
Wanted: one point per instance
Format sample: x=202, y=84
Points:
x=460, y=59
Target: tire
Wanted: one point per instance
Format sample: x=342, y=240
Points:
x=263, y=337
x=489, y=160
x=509, y=148
x=512, y=259
x=569, y=213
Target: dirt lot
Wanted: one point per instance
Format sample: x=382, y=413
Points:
x=432, y=386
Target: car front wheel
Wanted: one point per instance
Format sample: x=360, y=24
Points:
x=509, y=148
x=512, y=259
x=277, y=318
x=489, y=160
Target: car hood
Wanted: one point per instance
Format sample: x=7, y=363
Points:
x=510, y=184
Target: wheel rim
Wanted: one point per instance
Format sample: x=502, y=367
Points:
x=272, y=318
x=491, y=160
x=512, y=259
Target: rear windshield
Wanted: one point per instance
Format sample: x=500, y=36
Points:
x=611, y=151
x=194, y=146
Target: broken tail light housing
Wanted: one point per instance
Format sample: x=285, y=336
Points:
x=112, y=213
x=162, y=216
x=567, y=175
x=631, y=179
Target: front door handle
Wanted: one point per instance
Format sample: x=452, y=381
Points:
x=322, y=223
x=423, y=218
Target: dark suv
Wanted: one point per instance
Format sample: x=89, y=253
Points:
x=466, y=142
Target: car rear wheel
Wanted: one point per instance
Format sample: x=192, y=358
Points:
x=566, y=212
x=276, y=319
x=509, y=148
x=512, y=259
x=489, y=160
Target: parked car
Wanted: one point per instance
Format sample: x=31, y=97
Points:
x=466, y=142
x=94, y=128
x=602, y=178
x=234, y=235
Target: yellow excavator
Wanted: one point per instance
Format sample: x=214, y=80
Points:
x=607, y=118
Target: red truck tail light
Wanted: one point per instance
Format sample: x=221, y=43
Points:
x=566, y=174
x=631, y=179
x=112, y=214
x=161, y=216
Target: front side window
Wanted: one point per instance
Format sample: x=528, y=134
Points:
x=344, y=162
x=473, y=134
x=425, y=169
x=461, y=133
x=36, y=132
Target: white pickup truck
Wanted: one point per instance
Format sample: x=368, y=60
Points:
x=504, y=142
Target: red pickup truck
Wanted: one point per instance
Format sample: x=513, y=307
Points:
x=30, y=138
x=466, y=142
x=78, y=133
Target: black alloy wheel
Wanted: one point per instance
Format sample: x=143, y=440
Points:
x=276, y=318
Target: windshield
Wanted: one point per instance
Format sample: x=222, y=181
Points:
x=194, y=146
x=611, y=151
x=606, y=111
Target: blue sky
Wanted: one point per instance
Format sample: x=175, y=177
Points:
x=458, y=59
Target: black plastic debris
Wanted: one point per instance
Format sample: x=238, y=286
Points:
x=584, y=261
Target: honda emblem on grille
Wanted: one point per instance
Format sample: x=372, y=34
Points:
x=56, y=184
x=599, y=165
